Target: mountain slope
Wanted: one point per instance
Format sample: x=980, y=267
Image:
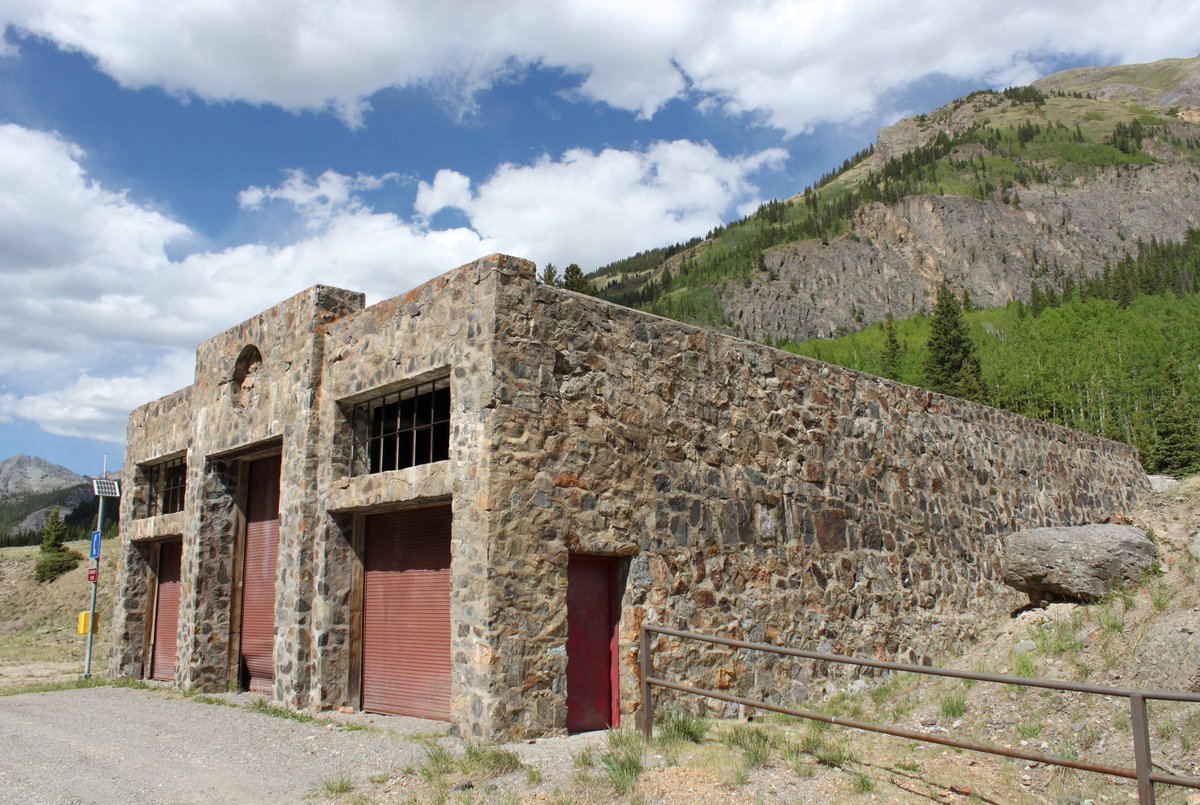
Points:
x=23, y=474
x=991, y=192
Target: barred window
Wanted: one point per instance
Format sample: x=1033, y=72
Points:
x=404, y=428
x=167, y=483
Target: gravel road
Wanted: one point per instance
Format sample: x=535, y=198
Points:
x=117, y=745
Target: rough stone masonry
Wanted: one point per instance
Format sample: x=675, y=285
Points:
x=747, y=492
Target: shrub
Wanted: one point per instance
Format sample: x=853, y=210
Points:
x=53, y=558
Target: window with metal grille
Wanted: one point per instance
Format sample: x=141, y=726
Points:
x=403, y=429
x=167, y=482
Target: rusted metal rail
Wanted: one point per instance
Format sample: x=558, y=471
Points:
x=1143, y=771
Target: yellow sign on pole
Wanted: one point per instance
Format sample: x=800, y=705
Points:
x=84, y=617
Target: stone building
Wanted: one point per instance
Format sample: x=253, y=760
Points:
x=462, y=502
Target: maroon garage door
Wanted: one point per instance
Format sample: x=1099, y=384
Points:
x=592, y=701
x=406, y=613
x=166, y=611
x=258, y=577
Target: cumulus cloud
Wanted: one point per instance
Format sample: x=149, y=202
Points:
x=784, y=63
x=99, y=316
x=593, y=208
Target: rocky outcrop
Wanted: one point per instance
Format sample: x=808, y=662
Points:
x=897, y=255
x=1077, y=563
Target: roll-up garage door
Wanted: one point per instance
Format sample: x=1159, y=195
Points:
x=406, y=613
x=258, y=577
x=166, y=611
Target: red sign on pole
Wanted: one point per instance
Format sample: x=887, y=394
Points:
x=92, y=573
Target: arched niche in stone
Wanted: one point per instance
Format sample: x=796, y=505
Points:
x=245, y=375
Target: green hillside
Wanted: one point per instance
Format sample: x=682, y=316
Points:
x=1091, y=355
x=15, y=508
x=1017, y=138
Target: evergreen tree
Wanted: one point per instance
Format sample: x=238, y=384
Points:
x=573, y=280
x=549, y=275
x=890, y=357
x=970, y=384
x=950, y=347
x=1036, y=302
x=1177, y=449
x=53, y=558
x=53, y=533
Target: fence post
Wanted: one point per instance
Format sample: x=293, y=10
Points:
x=647, y=696
x=1141, y=749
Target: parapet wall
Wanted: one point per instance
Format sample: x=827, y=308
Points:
x=759, y=495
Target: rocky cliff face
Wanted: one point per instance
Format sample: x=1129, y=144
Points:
x=21, y=474
x=896, y=256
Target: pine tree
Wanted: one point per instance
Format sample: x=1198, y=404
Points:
x=53, y=558
x=573, y=280
x=890, y=358
x=950, y=347
x=1036, y=301
x=549, y=275
x=1177, y=426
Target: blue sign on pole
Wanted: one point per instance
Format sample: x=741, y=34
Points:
x=95, y=554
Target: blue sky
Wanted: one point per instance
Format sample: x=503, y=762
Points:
x=167, y=170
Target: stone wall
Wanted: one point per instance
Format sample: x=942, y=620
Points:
x=444, y=326
x=256, y=392
x=156, y=430
x=760, y=495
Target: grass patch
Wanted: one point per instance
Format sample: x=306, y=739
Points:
x=533, y=776
x=1030, y=728
x=954, y=704
x=1025, y=665
x=836, y=754
x=622, y=762
x=1160, y=596
x=756, y=744
x=1058, y=638
x=682, y=727
x=438, y=763
x=51, y=687
x=862, y=784
x=1111, y=621
x=491, y=762
x=337, y=785
x=204, y=698
x=585, y=758
x=261, y=705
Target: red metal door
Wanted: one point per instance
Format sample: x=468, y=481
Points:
x=166, y=611
x=258, y=575
x=592, y=614
x=406, y=613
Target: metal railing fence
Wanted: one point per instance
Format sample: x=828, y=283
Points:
x=1143, y=771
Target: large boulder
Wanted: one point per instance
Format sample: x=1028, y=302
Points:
x=1076, y=563
x=1162, y=483
x=1167, y=657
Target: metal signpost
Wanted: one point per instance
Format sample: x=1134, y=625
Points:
x=103, y=488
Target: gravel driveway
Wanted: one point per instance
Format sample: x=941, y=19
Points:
x=110, y=745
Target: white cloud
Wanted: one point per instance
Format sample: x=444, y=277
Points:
x=97, y=407
x=787, y=63
x=99, y=318
x=317, y=200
